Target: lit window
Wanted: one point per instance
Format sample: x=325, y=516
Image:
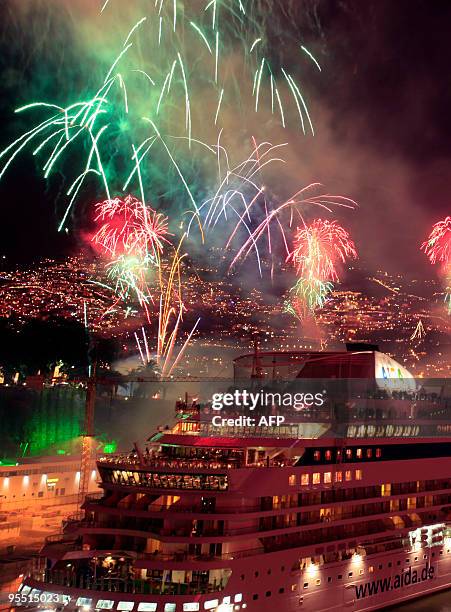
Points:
x=105, y=604
x=211, y=603
x=361, y=572
x=318, y=581
x=338, y=476
x=378, y=453
x=369, y=453
x=348, y=475
x=304, y=479
x=305, y=585
x=359, y=453
x=292, y=480
x=83, y=601
x=358, y=474
x=147, y=607
x=170, y=607
x=190, y=607
x=238, y=598
x=349, y=453
x=316, y=478
x=386, y=490
x=328, y=455
x=317, y=455
x=125, y=605
x=294, y=587
x=327, y=477
x=371, y=569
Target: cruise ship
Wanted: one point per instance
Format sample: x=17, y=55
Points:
x=337, y=510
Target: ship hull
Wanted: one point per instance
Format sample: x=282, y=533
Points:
x=260, y=583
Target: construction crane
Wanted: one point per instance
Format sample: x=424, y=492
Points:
x=87, y=447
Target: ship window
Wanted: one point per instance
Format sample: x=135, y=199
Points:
x=359, y=453
x=380, y=566
x=327, y=477
x=338, y=476
x=281, y=590
x=348, y=475
x=238, y=598
x=268, y=593
x=242, y=576
x=292, y=480
x=358, y=474
x=282, y=569
x=83, y=601
x=369, y=453
x=348, y=453
x=147, y=607
x=378, y=453
x=104, y=604
x=269, y=572
x=407, y=560
x=328, y=455
x=211, y=603
x=390, y=564
x=255, y=597
x=316, y=478
x=329, y=578
x=318, y=581
x=170, y=607
x=371, y=569
x=350, y=574
x=398, y=563
x=425, y=556
x=340, y=576
x=361, y=572
x=386, y=490
x=190, y=607
x=125, y=605
x=256, y=574
x=294, y=587
x=305, y=585
x=317, y=455
x=304, y=479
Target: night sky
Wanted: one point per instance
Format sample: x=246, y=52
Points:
x=381, y=110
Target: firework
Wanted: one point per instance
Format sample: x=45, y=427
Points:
x=130, y=228
x=318, y=248
x=438, y=245
x=438, y=249
x=135, y=87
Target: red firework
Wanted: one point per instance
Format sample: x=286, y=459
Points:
x=129, y=227
x=319, y=247
x=438, y=245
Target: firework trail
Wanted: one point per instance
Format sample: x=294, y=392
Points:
x=438, y=249
x=160, y=86
x=124, y=128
